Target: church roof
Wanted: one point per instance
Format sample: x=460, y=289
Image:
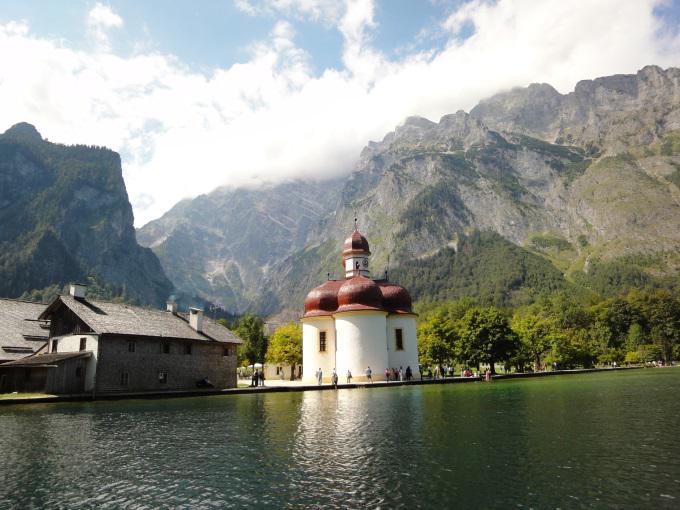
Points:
x=357, y=293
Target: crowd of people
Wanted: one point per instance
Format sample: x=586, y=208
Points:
x=398, y=374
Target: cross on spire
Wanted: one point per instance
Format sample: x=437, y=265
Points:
x=355, y=223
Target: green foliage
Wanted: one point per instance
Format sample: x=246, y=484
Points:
x=486, y=266
x=426, y=210
x=97, y=289
x=550, y=241
x=641, y=326
x=537, y=334
x=485, y=336
x=250, y=329
x=613, y=278
x=436, y=339
x=285, y=346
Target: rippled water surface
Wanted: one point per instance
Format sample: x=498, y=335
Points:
x=587, y=441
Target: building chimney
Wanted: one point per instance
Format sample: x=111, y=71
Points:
x=171, y=306
x=196, y=319
x=77, y=290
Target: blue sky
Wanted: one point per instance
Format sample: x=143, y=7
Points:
x=209, y=33
x=200, y=94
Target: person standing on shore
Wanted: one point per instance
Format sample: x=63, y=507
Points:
x=409, y=373
x=349, y=376
x=319, y=376
x=334, y=379
x=369, y=374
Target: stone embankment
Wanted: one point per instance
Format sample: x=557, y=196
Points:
x=286, y=386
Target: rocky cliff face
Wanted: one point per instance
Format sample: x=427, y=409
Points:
x=65, y=216
x=605, y=116
x=225, y=245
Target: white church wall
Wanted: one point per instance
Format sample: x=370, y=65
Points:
x=408, y=356
x=361, y=343
x=312, y=357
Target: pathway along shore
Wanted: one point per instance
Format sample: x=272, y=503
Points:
x=275, y=386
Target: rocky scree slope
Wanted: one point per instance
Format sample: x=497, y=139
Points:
x=65, y=216
x=224, y=245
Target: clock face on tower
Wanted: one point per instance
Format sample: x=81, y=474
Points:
x=365, y=263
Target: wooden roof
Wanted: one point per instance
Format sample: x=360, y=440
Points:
x=122, y=319
x=45, y=360
x=20, y=331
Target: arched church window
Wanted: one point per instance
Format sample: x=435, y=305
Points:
x=399, y=336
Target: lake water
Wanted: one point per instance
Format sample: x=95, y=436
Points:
x=585, y=441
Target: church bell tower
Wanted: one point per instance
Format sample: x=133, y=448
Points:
x=355, y=254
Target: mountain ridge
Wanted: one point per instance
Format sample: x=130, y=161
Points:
x=574, y=178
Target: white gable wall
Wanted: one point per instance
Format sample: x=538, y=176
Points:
x=71, y=343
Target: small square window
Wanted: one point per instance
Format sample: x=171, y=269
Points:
x=79, y=371
x=132, y=345
x=124, y=378
x=162, y=377
x=322, y=341
x=225, y=351
x=55, y=343
x=399, y=334
x=187, y=348
x=83, y=343
x=165, y=347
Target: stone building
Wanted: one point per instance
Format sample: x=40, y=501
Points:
x=358, y=322
x=100, y=347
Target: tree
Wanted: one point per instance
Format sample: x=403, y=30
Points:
x=285, y=347
x=485, y=337
x=661, y=311
x=535, y=334
x=435, y=341
x=250, y=329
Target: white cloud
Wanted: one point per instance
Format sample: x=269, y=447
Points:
x=182, y=133
x=101, y=19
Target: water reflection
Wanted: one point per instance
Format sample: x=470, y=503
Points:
x=586, y=441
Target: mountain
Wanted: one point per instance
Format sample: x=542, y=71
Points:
x=65, y=216
x=531, y=191
x=222, y=246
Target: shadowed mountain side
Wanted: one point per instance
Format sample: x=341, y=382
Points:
x=64, y=216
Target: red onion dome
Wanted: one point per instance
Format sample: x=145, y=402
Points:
x=359, y=293
x=323, y=300
x=395, y=297
x=356, y=242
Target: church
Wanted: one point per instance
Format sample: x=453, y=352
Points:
x=357, y=322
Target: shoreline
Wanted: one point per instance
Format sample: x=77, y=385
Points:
x=292, y=388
